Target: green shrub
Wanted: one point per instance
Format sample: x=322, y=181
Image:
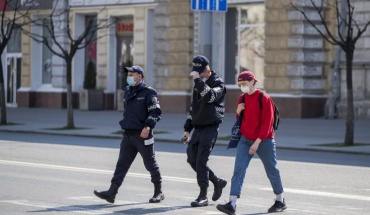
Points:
x=90, y=76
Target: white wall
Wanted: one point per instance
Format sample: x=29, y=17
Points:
x=112, y=59
x=5, y=74
x=36, y=62
x=149, y=73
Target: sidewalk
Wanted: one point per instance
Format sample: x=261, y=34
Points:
x=297, y=134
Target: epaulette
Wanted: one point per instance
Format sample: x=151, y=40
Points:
x=150, y=88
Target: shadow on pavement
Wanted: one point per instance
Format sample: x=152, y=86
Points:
x=151, y=210
x=76, y=208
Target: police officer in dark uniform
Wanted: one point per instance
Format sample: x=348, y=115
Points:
x=206, y=113
x=141, y=113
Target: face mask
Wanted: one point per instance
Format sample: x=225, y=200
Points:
x=131, y=81
x=245, y=89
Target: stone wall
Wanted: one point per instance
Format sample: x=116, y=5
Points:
x=361, y=91
x=360, y=69
x=296, y=58
x=173, y=44
x=173, y=53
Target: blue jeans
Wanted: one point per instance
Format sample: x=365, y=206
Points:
x=267, y=153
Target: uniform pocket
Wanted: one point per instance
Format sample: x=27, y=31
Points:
x=149, y=141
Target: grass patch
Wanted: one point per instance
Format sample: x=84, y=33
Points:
x=161, y=132
x=224, y=137
x=65, y=128
x=338, y=145
x=117, y=132
x=155, y=132
x=11, y=123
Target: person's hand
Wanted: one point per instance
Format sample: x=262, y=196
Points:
x=254, y=147
x=194, y=74
x=144, y=133
x=241, y=107
x=185, y=137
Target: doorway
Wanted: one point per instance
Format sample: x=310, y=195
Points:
x=125, y=48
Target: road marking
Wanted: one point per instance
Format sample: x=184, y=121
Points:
x=324, y=194
x=54, y=207
x=89, y=170
x=177, y=179
x=307, y=211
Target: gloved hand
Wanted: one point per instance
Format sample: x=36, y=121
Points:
x=185, y=137
x=194, y=74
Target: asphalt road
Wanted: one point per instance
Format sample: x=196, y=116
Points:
x=41, y=174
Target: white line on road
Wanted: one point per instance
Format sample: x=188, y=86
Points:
x=89, y=170
x=178, y=179
x=324, y=194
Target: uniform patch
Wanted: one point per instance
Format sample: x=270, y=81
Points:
x=155, y=100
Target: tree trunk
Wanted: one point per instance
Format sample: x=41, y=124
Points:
x=70, y=121
x=349, y=136
x=3, y=120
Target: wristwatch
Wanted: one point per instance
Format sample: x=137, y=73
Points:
x=147, y=128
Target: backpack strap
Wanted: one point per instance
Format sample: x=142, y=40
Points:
x=243, y=98
x=260, y=98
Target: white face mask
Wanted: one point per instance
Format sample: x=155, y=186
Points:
x=131, y=81
x=245, y=89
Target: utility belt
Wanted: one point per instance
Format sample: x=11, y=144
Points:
x=131, y=132
x=215, y=124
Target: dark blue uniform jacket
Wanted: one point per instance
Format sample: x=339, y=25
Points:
x=141, y=108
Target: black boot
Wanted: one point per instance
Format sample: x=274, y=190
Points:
x=202, y=199
x=219, y=184
x=108, y=195
x=158, y=195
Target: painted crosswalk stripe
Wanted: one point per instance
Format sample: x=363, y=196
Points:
x=89, y=170
x=323, y=194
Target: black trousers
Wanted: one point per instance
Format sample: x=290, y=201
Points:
x=199, y=149
x=131, y=144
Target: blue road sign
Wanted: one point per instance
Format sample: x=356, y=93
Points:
x=209, y=5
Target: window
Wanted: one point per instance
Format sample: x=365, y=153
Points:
x=125, y=47
x=90, y=50
x=15, y=42
x=245, y=40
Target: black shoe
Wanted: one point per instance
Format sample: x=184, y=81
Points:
x=108, y=195
x=200, y=202
x=277, y=207
x=158, y=197
x=219, y=185
x=105, y=195
x=226, y=208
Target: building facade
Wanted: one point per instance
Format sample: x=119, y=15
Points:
x=294, y=64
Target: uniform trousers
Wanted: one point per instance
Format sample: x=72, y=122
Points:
x=199, y=149
x=132, y=144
